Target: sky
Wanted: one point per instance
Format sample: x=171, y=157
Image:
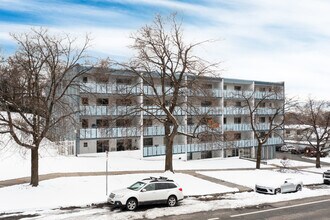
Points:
x=262, y=40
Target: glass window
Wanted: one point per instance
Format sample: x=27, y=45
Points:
x=102, y=102
x=84, y=101
x=237, y=88
x=147, y=141
x=150, y=187
x=85, y=79
x=136, y=186
x=206, y=103
x=237, y=120
x=160, y=186
x=85, y=144
x=84, y=123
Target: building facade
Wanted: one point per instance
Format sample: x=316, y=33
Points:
x=103, y=98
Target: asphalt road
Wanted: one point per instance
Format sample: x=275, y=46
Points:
x=316, y=208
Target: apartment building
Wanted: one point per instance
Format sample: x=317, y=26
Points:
x=103, y=98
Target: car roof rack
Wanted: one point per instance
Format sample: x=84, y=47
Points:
x=160, y=178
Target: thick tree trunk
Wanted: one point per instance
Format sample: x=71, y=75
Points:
x=169, y=149
x=318, y=160
x=258, y=156
x=34, y=166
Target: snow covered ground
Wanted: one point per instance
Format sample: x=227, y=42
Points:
x=250, y=177
x=16, y=163
x=83, y=191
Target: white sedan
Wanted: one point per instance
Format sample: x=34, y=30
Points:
x=288, y=185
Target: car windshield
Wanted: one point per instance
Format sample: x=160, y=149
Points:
x=136, y=186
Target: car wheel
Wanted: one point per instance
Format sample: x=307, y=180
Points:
x=298, y=188
x=131, y=204
x=171, y=201
x=278, y=190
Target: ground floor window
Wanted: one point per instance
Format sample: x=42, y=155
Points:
x=102, y=146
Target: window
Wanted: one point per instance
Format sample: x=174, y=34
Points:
x=262, y=105
x=102, y=123
x=225, y=87
x=287, y=131
x=123, y=122
x=270, y=105
x=238, y=104
x=190, y=121
x=225, y=104
x=206, y=103
x=123, y=102
x=148, y=142
x=262, y=89
x=206, y=138
x=84, y=101
x=237, y=88
x=147, y=122
x=237, y=120
x=85, y=144
x=237, y=136
x=262, y=120
x=102, y=101
x=160, y=186
x=150, y=187
x=224, y=120
x=84, y=123
x=123, y=81
x=207, y=86
x=85, y=79
x=147, y=102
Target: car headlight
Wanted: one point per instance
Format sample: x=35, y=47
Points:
x=119, y=195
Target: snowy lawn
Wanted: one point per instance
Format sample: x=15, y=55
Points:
x=15, y=164
x=80, y=191
x=251, y=177
x=289, y=163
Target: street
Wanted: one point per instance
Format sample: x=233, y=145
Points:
x=303, y=209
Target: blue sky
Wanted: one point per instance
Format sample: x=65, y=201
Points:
x=282, y=40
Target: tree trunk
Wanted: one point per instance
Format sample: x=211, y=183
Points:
x=318, y=160
x=258, y=156
x=34, y=166
x=169, y=148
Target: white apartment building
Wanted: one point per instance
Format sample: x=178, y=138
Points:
x=100, y=99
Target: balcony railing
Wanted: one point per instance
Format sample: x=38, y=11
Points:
x=93, y=110
x=180, y=149
x=96, y=133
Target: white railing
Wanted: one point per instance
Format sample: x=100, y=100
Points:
x=180, y=149
x=94, y=133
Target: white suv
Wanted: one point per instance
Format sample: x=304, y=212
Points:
x=147, y=191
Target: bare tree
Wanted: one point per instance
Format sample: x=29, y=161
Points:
x=265, y=127
x=315, y=115
x=169, y=71
x=37, y=79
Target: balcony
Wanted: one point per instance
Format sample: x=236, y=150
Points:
x=97, y=133
x=268, y=95
x=103, y=88
x=93, y=110
x=181, y=149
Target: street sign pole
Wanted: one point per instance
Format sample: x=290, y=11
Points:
x=106, y=173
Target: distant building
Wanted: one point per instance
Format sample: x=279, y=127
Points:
x=100, y=99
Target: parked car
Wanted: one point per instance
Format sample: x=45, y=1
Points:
x=147, y=191
x=297, y=150
x=326, y=177
x=287, y=148
x=271, y=187
x=311, y=152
